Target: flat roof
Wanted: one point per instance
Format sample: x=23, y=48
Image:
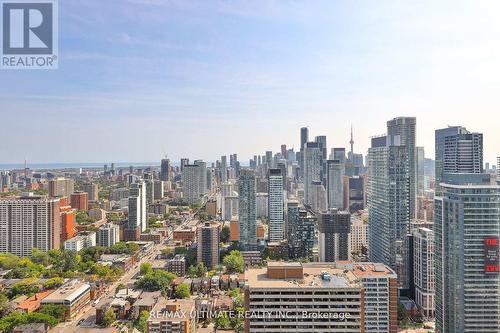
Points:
x=67, y=292
x=161, y=314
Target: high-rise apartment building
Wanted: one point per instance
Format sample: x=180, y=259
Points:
x=388, y=203
x=165, y=170
x=223, y=169
x=300, y=229
x=334, y=235
x=137, y=209
x=247, y=210
x=467, y=228
x=191, y=182
x=401, y=131
x=108, y=235
x=80, y=201
x=275, y=205
x=29, y=222
x=334, y=183
x=457, y=151
x=359, y=235
x=202, y=169
x=208, y=244
x=92, y=189
x=81, y=241
x=423, y=268
x=498, y=170
x=61, y=187
x=312, y=169
x=420, y=169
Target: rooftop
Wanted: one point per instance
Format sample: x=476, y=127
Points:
x=68, y=291
x=176, y=309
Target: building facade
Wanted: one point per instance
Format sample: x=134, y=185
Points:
x=208, y=239
x=247, y=210
x=275, y=205
x=334, y=235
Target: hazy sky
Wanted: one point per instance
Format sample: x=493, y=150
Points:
x=140, y=79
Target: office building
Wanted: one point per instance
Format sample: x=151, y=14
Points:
x=208, y=239
x=312, y=169
x=423, y=270
x=80, y=201
x=388, y=204
x=457, y=151
x=466, y=229
x=334, y=183
x=29, y=222
x=92, y=189
x=247, y=210
x=300, y=232
x=334, y=234
x=61, y=187
x=336, y=297
x=276, y=205
x=108, y=235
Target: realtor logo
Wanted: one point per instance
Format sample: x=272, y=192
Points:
x=29, y=34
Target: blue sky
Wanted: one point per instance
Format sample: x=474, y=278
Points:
x=140, y=79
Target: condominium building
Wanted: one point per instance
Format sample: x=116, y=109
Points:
x=312, y=169
x=276, y=205
x=467, y=228
x=388, y=203
x=317, y=194
x=401, y=132
x=192, y=182
x=108, y=235
x=262, y=205
x=92, y=189
x=423, y=268
x=177, y=265
x=246, y=208
x=165, y=170
x=457, y=151
x=334, y=234
x=137, y=209
x=29, y=222
x=301, y=232
x=61, y=187
x=80, y=201
x=334, y=183
x=359, y=234
x=498, y=170
x=208, y=239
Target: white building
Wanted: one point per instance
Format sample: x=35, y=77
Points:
x=335, y=187
x=423, y=268
x=108, y=235
x=276, y=205
x=359, y=234
x=137, y=206
x=81, y=241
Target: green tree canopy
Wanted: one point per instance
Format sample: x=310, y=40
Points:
x=109, y=318
x=182, y=291
x=234, y=262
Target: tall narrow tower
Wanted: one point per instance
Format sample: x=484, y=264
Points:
x=351, y=142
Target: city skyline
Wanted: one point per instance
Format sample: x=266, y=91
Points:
x=258, y=70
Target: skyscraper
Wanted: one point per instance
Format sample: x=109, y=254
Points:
x=184, y=161
x=92, y=189
x=321, y=140
x=423, y=268
x=165, y=170
x=498, y=170
x=388, y=203
x=467, y=228
x=401, y=131
x=61, y=187
x=312, y=169
x=304, y=138
x=334, y=184
x=223, y=169
x=202, y=169
x=208, y=244
x=420, y=171
x=334, y=234
x=457, y=151
x=191, y=182
x=137, y=208
x=247, y=210
x=275, y=205
x=29, y=222
x=300, y=232
x=108, y=235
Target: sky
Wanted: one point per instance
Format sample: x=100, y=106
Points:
x=139, y=79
